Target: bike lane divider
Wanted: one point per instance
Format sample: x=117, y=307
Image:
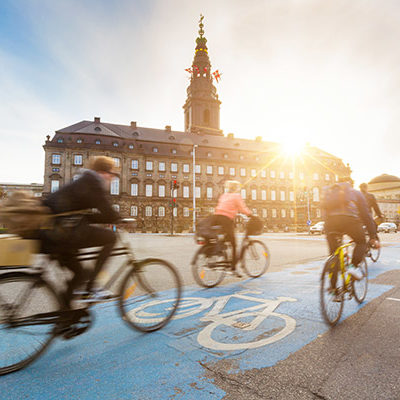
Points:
x=253, y=323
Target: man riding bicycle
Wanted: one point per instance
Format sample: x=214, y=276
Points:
x=346, y=212
x=371, y=203
x=73, y=233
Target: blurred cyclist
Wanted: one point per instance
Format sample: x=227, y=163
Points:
x=346, y=212
x=371, y=202
x=229, y=205
x=87, y=192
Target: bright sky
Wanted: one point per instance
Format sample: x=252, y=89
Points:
x=317, y=71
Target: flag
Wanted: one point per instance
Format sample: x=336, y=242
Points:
x=189, y=70
x=217, y=75
x=205, y=69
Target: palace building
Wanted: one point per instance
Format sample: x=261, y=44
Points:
x=284, y=191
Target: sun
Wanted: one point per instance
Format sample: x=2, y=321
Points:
x=292, y=148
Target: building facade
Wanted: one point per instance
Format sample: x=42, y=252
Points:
x=284, y=191
x=35, y=189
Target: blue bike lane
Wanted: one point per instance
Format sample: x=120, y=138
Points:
x=254, y=323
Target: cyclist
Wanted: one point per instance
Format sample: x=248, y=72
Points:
x=71, y=234
x=346, y=211
x=229, y=205
x=371, y=202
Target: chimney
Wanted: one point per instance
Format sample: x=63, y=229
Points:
x=258, y=139
x=97, y=120
x=133, y=124
x=168, y=128
x=230, y=135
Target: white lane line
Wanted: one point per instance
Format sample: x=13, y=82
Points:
x=392, y=298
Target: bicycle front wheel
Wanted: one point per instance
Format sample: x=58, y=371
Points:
x=150, y=294
x=209, y=269
x=255, y=258
x=360, y=287
x=24, y=332
x=332, y=291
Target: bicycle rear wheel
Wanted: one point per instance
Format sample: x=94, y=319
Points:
x=332, y=291
x=150, y=294
x=255, y=258
x=360, y=287
x=22, y=338
x=209, y=269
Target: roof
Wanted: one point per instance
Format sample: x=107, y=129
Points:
x=384, y=178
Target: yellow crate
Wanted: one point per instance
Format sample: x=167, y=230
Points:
x=16, y=251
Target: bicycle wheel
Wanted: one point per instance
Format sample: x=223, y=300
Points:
x=374, y=253
x=255, y=258
x=154, y=285
x=208, y=269
x=332, y=291
x=23, y=295
x=360, y=287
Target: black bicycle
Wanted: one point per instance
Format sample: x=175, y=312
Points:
x=32, y=311
x=214, y=258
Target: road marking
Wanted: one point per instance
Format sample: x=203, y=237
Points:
x=392, y=298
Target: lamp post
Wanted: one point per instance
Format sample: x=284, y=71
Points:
x=194, y=187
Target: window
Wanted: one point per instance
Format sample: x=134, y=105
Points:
x=161, y=211
x=155, y=149
x=209, y=193
x=134, y=189
x=282, y=175
x=283, y=213
x=209, y=170
x=242, y=171
x=283, y=195
x=175, y=193
x=291, y=175
x=301, y=175
x=186, y=168
x=209, y=154
x=241, y=157
x=77, y=159
x=273, y=213
x=174, y=167
x=327, y=177
x=225, y=155
x=264, y=213
x=173, y=151
x=243, y=193
x=75, y=177
x=98, y=141
x=291, y=195
x=148, y=211
x=161, y=190
x=115, y=144
x=198, y=169
x=253, y=194
x=336, y=178
x=291, y=213
x=263, y=173
x=175, y=211
x=273, y=195
x=315, y=176
x=186, y=211
x=232, y=171
x=198, y=192
x=117, y=162
x=161, y=166
x=254, y=211
x=55, y=185
x=263, y=194
x=134, y=211
x=318, y=213
x=79, y=141
x=149, y=165
x=114, y=187
x=272, y=174
x=186, y=191
x=60, y=140
x=253, y=172
x=56, y=159
x=315, y=194
x=149, y=190
x=135, y=164
x=116, y=207
x=131, y=146
x=221, y=171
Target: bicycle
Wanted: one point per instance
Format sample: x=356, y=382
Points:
x=214, y=259
x=372, y=252
x=32, y=311
x=337, y=285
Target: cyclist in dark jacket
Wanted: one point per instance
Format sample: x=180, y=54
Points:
x=346, y=212
x=71, y=233
x=371, y=201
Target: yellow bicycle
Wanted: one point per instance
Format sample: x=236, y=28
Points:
x=337, y=285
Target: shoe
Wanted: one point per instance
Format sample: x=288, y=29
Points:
x=355, y=272
x=97, y=295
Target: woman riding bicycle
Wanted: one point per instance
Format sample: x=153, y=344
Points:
x=229, y=205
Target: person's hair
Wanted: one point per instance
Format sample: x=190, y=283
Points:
x=232, y=186
x=102, y=164
x=363, y=187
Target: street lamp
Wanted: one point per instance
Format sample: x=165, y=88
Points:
x=194, y=187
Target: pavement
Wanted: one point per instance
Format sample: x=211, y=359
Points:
x=248, y=339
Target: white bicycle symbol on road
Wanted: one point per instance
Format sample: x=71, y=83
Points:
x=246, y=319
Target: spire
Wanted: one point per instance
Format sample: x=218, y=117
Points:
x=202, y=104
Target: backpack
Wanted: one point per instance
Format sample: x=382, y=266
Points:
x=23, y=215
x=337, y=197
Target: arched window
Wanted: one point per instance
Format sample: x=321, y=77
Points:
x=114, y=188
x=134, y=211
x=149, y=211
x=315, y=194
